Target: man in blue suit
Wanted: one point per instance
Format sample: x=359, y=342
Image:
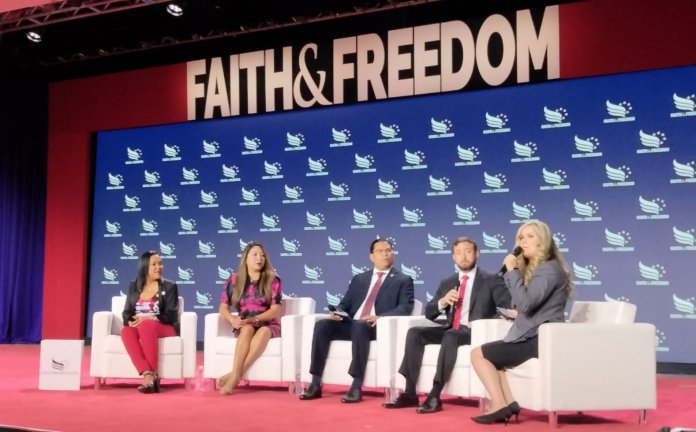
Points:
x=383, y=291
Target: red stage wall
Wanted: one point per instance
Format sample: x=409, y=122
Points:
x=597, y=37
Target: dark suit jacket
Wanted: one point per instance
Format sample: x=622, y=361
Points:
x=488, y=292
x=168, y=303
x=395, y=297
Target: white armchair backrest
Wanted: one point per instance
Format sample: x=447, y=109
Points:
x=615, y=312
x=119, y=302
x=297, y=306
x=417, y=308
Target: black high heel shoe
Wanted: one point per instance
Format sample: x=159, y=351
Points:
x=152, y=387
x=514, y=409
x=500, y=416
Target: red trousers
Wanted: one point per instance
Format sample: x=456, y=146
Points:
x=142, y=343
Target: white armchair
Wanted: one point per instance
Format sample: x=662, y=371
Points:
x=177, y=354
x=280, y=362
x=599, y=360
x=380, y=369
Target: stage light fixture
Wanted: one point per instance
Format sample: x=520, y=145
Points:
x=34, y=36
x=175, y=10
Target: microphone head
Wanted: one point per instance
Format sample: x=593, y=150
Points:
x=517, y=251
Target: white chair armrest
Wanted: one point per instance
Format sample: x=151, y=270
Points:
x=188, y=323
x=291, y=341
x=621, y=357
x=386, y=346
x=488, y=330
x=101, y=328
x=308, y=322
x=404, y=324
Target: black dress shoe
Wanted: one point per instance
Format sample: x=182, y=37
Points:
x=353, y=396
x=311, y=392
x=430, y=405
x=404, y=400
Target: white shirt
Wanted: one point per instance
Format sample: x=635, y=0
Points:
x=373, y=280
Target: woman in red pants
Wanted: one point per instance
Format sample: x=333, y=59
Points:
x=151, y=312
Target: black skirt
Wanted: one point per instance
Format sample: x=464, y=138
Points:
x=506, y=355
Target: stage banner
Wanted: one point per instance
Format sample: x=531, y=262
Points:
x=60, y=364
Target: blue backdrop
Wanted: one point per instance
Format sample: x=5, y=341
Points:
x=609, y=163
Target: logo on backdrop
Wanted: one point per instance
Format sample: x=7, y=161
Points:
x=467, y=156
x=441, y=128
x=555, y=180
x=362, y=219
x=188, y=226
x=560, y=240
x=134, y=156
x=585, y=275
x=273, y=170
x=295, y=142
x=291, y=248
x=152, y=179
x=412, y=218
x=113, y=229
x=684, y=105
x=270, y=223
x=129, y=251
x=315, y=222
x=493, y=243
x=206, y=250
x=496, y=123
x=619, y=112
x=252, y=146
x=210, y=150
x=414, y=160
x=184, y=276
x=110, y=276
x=169, y=202
x=685, y=172
x=652, y=142
x=223, y=275
x=228, y=225
x=660, y=341
x=686, y=308
x=685, y=239
x=652, y=274
x=250, y=197
x=316, y=167
x=189, y=176
x=230, y=174
x=414, y=272
x=494, y=183
x=115, y=181
x=388, y=189
x=466, y=215
x=389, y=133
x=439, y=186
x=208, y=200
x=333, y=299
x=619, y=176
x=555, y=118
x=337, y=247
x=203, y=301
x=312, y=275
x=167, y=250
x=523, y=212
x=149, y=228
x=341, y=138
x=437, y=245
x=586, y=147
x=131, y=203
x=364, y=164
x=524, y=152
x=652, y=209
x=171, y=153
x=339, y=192
x=293, y=195
x=618, y=241
x=585, y=211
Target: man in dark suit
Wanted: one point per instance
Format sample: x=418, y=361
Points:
x=482, y=293
x=383, y=291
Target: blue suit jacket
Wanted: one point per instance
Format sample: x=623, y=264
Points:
x=395, y=297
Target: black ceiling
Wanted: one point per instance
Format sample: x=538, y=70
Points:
x=91, y=37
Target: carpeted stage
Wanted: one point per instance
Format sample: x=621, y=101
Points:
x=118, y=407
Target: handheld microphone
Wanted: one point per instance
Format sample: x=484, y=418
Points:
x=516, y=252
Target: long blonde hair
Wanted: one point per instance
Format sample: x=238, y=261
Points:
x=547, y=251
x=265, y=280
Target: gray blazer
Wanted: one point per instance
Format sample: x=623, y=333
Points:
x=544, y=300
